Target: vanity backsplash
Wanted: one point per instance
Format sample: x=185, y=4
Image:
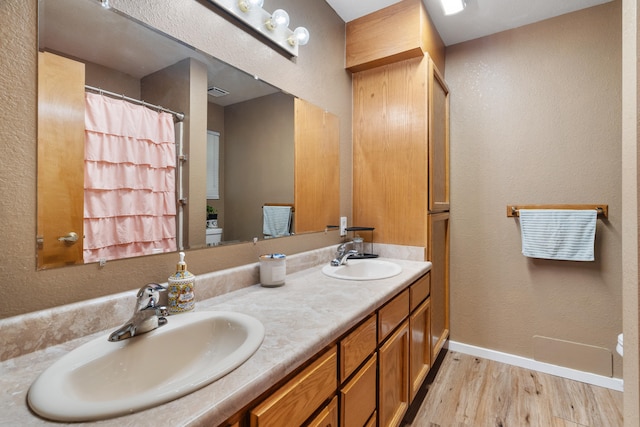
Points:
x=41, y=329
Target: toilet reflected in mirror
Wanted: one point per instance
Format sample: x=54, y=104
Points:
x=214, y=234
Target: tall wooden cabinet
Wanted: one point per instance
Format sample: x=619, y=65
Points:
x=400, y=149
x=401, y=181
x=401, y=167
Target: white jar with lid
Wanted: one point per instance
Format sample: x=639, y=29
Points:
x=273, y=270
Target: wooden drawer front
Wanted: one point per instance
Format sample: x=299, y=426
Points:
x=294, y=402
x=356, y=347
x=419, y=291
x=392, y=314
x=328, y=417
x=358, y=397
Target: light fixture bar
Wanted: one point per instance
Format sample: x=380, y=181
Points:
x=274, y=26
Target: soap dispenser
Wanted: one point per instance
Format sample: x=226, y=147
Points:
x=181, y=295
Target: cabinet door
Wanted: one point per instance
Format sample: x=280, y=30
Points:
x=358, y=396
x=393, y=386
x=316, y=167
x=372, y=421
x=328, y=417
x=60, y=192
x=438, y=254
x=438, y=141
x=420, y=348
x=390, y=151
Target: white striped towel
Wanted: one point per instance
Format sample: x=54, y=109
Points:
x=560, y=234
x=276, y=221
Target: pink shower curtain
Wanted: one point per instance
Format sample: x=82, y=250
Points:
x=129, y=180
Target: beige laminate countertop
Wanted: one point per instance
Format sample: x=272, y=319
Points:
x=301, y=318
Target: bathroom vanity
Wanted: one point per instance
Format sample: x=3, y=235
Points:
x=324, y=340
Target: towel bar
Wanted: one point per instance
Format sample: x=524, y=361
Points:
x=291, y=205
x=603, y=209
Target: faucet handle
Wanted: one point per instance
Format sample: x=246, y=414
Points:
x=149, y=295
x=343, y=247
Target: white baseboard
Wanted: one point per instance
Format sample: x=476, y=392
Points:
x=547, y=368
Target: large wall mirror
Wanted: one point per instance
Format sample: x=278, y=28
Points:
x=254, y=162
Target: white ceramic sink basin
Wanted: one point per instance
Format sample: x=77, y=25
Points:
x=103, y=379
x=363, y=269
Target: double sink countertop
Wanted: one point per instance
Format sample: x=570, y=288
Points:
x=301, y=318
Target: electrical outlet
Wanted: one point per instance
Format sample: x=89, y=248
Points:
x=343, y=225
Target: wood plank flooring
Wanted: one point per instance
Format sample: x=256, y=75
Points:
x=472, y=392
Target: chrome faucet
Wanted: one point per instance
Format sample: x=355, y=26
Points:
x=147, y=315
x=342, y=254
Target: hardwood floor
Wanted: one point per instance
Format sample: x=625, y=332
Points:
x=472, y=392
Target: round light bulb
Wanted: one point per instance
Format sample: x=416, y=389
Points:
x=279, y=18
x=300, y=37
x=247, y=5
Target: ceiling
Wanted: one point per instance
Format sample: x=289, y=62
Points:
x=84, y=29
x=480, y=18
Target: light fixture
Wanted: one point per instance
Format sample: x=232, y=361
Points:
x=279, y=19
x=248, y=5
x=451, y=7
x=300, y=37
x=273, y=26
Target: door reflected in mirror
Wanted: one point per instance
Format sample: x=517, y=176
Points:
x=258, y=130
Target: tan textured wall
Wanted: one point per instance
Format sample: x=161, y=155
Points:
x=535, y=118
x=630, y=193
x=258, y=161
x=319, y=66
x=112, y=80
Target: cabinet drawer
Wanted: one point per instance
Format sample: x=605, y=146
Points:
x=328, y=417
x=392, y=314
x=294, y=402
x=358, y=396
x=356, y=347
x=419, y=291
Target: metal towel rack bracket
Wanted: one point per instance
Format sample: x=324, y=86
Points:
x=603, y=210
